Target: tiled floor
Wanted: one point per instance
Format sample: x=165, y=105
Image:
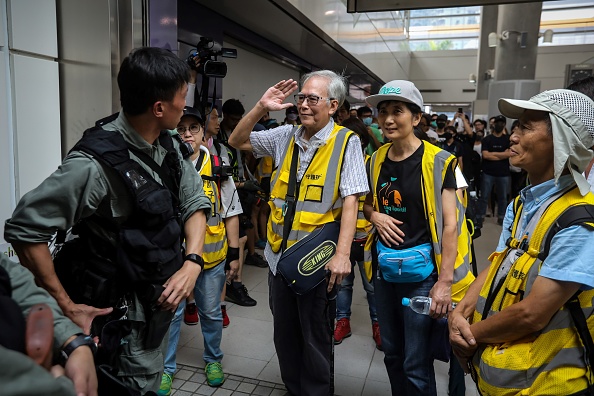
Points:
x=250, y=360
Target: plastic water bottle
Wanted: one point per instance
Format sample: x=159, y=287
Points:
x=420, y=304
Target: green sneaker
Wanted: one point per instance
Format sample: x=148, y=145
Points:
x=214, y=374
x=166, y=381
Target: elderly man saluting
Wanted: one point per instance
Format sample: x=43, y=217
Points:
x=531, y=311
x=330, y=177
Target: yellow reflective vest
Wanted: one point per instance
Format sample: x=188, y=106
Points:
x=215, y=241
x=318, y=200
x=435, y=163
x=264, y=168
x=550, y=361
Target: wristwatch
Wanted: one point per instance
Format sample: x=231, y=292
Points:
x=81, y=339
x=193, y=257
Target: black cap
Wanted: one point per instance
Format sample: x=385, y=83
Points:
x=193, y=112
x=442, y=117
x=499, y=118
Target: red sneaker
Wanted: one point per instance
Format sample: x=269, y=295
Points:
x=342, y=330
x=376, y=335
x=191, y=314
x=226, y=320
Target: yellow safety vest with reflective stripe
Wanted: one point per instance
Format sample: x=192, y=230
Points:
x=264, y=168
x=318, y=201
x=550, y=361
x=435, y=163
x=364, y=229
x=215, y=241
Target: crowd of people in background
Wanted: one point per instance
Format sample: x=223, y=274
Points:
x=398, y=182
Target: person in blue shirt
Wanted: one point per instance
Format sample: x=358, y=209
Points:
x=518, y=302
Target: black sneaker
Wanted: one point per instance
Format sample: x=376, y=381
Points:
x=256, y=259
x=237, y=294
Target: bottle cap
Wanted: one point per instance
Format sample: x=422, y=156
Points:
x=405, y=301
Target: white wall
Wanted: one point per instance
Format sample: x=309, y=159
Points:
x=250, y=75
x=551, y=63
x=445, y=70
x=30, y=122
x=449, y=70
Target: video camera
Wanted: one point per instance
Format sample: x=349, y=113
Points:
x=205, y=55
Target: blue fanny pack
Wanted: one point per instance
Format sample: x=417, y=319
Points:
x=414, y=264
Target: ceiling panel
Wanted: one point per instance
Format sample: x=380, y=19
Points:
x=391, y=5
x=279, y=22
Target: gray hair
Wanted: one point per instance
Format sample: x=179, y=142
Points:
x=337, y=84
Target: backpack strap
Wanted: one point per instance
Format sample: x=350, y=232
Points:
x=575, y=215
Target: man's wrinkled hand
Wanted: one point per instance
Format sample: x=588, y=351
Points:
x=179, y=286
x=80, y=368
x=273, y=99
x=82, y=315
x=339, y=267
x=232, y=271
x=463, y=343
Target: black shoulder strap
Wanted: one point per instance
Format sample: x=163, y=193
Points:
x=290, y=200
x=574, y=215
x=579, y=320
x=168, y=174
x=106, y=145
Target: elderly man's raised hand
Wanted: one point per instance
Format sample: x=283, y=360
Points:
x=273, y=99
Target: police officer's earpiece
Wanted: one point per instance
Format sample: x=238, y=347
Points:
x=184, y=147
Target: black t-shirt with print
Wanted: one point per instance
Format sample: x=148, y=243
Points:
x=400, y=195
x=496, y=144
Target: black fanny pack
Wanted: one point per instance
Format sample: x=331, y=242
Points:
x=303, y=264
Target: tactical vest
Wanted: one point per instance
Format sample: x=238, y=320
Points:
x=318, y=197
x=215, y=242
x=148, y=248
x=552, y=360
x=435, y=163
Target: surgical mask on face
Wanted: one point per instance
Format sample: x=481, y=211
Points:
x=447, y=135
x=291, y=116
x=441, y=125
x=367, y=121
x=499, y=127
x=434, y=124
x=374, y=125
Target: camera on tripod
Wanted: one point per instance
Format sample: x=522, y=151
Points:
x=206, y=53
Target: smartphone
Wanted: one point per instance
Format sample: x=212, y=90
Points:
x=460, y=110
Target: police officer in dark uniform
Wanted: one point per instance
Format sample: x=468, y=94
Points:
x=131, y=199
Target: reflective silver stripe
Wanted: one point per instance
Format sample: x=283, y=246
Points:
x=462, y=270
x=532, y=274
x=520, y=379
x=438, y=166
x=480, y=304
x=282, y=160
x=460, y=213
x=327, y=202
x=214, y=247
